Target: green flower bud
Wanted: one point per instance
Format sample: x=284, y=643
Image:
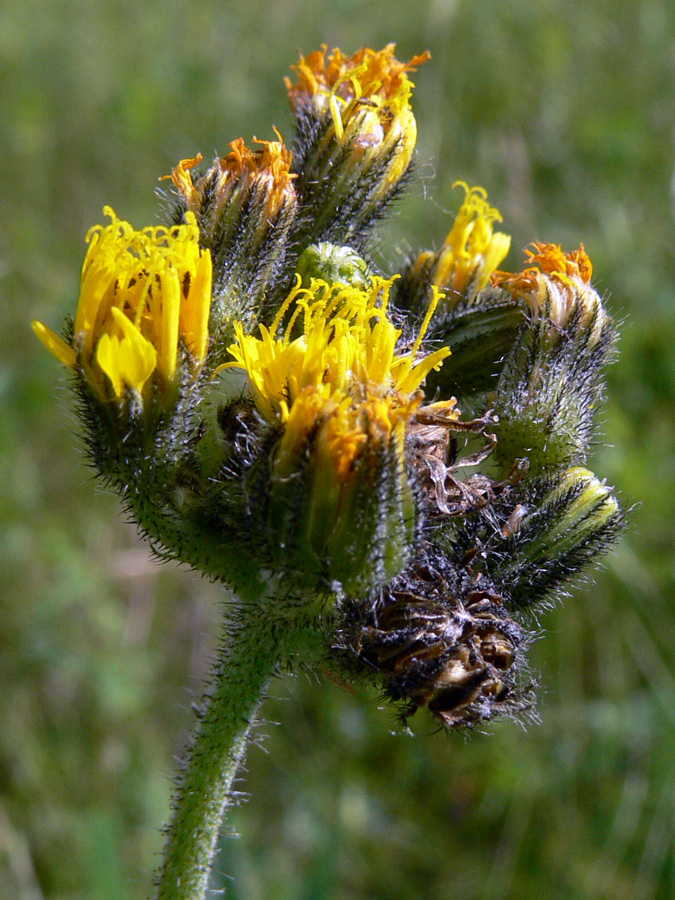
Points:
x=576, y=509
x=551, y=382
x=336, y=265
x=541, y=533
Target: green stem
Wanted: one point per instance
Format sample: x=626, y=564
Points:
x=204, y=789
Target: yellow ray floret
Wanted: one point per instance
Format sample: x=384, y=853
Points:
x=335, y=365
x=473, y=249
x=143, y=295
x=345, y=346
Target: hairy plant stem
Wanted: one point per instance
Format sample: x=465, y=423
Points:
x=247, y=660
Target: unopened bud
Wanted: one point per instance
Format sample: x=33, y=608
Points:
x=552, y=528
x=551, y=382
x=576, y=508
x=334, y=264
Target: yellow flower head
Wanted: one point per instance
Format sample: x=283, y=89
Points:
x=335, y=367
x=558, y=280
x=267, y=169
x=144, y=295
x=367, y=95
x=472, y=250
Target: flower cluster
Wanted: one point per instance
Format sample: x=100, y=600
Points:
x=280, y=414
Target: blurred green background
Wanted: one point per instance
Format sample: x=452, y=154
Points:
x=565, y=112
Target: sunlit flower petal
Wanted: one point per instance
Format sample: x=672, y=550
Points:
x=143, y=294
x=472, y=250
